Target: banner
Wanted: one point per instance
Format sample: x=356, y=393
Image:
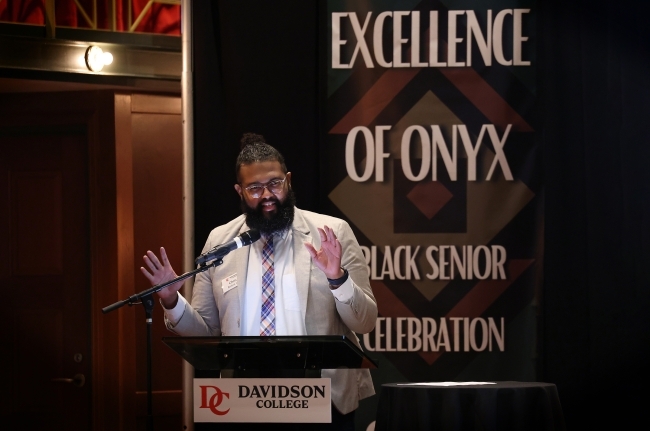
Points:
x=431, y=155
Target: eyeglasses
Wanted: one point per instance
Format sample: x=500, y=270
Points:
x=257, y=190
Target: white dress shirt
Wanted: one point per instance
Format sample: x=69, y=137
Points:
x=288, y=318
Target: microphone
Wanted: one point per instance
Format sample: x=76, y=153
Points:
x=219, y=251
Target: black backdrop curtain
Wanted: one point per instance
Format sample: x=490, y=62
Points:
x=594, y=89
x=257, y=69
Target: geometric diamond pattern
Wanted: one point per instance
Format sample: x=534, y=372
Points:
x=429, y=197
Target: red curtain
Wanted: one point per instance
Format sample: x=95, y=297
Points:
x=23, y=11
x=158, y=19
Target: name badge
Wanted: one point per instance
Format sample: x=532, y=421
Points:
x=229, y=283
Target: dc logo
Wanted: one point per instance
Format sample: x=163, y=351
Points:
x=214, y=401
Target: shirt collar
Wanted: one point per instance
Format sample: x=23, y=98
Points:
x=279, y=236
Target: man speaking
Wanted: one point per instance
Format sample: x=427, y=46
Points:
x=306, y=275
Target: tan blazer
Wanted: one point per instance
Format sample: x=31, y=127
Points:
x=217, y=314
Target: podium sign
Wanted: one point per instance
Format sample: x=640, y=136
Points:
x=301, y=400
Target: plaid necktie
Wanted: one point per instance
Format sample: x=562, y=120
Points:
x=268, y=290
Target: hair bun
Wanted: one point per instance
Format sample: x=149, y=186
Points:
x=251, y=139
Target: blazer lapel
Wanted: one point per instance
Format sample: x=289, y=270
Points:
x=302, y=259
x=240, y=259
x=236, y=262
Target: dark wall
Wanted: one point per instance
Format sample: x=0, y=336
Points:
x=594, y=100
x=263, y=79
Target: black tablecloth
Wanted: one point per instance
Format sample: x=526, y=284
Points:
x=528, y=406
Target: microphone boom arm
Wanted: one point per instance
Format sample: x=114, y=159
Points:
x=136, y=298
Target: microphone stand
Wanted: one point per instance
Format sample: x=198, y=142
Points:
x=146, y=299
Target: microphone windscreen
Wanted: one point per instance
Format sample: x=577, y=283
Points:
x=252, y=236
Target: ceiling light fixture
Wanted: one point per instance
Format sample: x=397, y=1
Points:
x=96, y=58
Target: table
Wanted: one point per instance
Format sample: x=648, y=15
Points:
x=500, y=406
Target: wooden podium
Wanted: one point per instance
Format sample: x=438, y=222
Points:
x=250, y=358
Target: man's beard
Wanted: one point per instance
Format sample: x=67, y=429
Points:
x=277, y=222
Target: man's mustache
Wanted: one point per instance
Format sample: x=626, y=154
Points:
x=273, y=199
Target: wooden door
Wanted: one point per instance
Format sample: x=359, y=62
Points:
x=67, y=251
x=44, y=274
